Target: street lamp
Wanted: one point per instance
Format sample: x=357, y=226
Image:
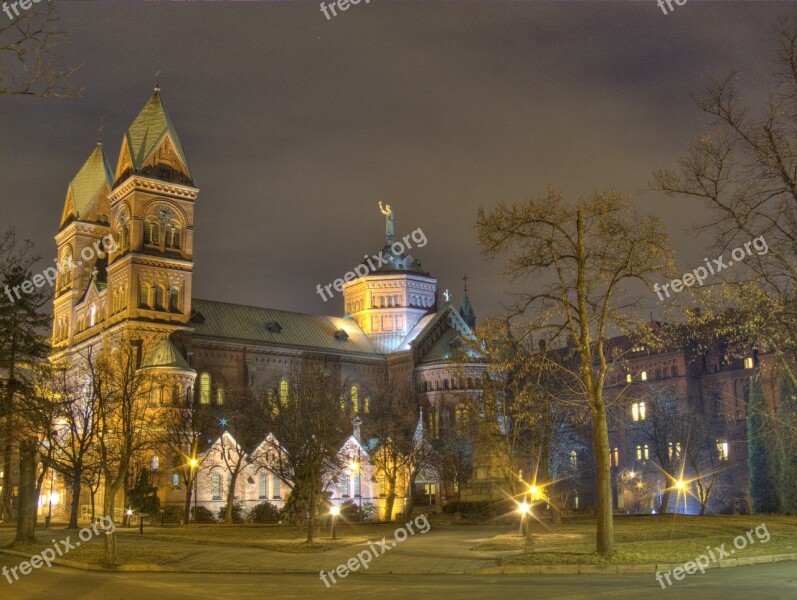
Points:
x=129, y=514
x=194, y=463
x=334, y=511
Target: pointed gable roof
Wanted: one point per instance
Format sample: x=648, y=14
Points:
x=148, y=131
x=466, y=311
x=90, y=180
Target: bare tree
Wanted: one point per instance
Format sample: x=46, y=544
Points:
x=308, y=425
x=127, y=422
x=581, y=258
x=28, y=58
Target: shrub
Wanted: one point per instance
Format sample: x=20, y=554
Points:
x=351, y=511
x=469, y=507
x=203, y=515
x=237, y=512
x=173, y=513
x=265, y=512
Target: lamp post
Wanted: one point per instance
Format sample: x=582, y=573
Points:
x=523, y=509
x=50, y=509
x=129, y=514
x=334, y=511
x=194, y=463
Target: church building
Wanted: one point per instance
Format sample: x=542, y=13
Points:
x=394, y=327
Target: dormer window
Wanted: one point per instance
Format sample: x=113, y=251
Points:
x=341, y=335
x=274, y=327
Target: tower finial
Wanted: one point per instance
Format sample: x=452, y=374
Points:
x=99, y=132
x=465, y=279
x=158, y=78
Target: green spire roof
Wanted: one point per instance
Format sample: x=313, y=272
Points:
x=148, y=130
x=466, y=311
x=88, y=182
x=165, y=355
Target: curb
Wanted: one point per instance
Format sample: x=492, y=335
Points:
x=497, y=570
x=624, y=569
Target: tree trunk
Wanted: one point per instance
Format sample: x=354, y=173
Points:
x=230, y=499
x=311, y=517
x=73, y=514
x=111, y=556
x=26, y=515
x=390, y=500
x=189, y=494
x=6, y=512
x=600, y=443
x=664, y=506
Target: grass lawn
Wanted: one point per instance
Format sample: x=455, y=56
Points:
x=283, y=538
x=92, y=551
x=650, y=539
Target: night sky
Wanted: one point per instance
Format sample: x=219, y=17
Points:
x=295, y=125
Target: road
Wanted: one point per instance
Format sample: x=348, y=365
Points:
x=772, y=581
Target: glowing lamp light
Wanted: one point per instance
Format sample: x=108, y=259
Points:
x=354, y=465
x=129, y=513
x=334, y=510
x=193, y=463
x=523, y=508
x=680, y=484
x=632, y=474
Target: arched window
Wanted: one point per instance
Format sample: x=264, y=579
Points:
x=220, y=396
x=355, y=399
x=160, y=297
x=172, y=236
x=366, y=405
x=66, y=267
x=204, y=388
x=92, y=315
x=152, y=233
x=215, y=485
x=174, y=299
x=573, y=459
x=262, y=489
x=284, y=391
x=143, y=295
x=275, y=487
x=177, y=395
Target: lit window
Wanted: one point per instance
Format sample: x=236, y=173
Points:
x=215, y=485
x=367, y=405
x=638, y=411
x=275, y=487
x=646, y=452
x=261, y=484
x=574, y=459
x=644, y=376
x=722, y=450
x=220, y=396
x=284, y=390
x=355, y=399
x=176, y=479
x=155, y=463
x=92, y=315
x=616, y=457
x=639, y=452
x=628, y=378
x=204, y=388
x=748, y=362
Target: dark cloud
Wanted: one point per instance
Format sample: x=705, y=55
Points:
x=295, y=126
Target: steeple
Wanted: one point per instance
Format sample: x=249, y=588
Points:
x=152, y=147
x=94, y=177
x=465, y=308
